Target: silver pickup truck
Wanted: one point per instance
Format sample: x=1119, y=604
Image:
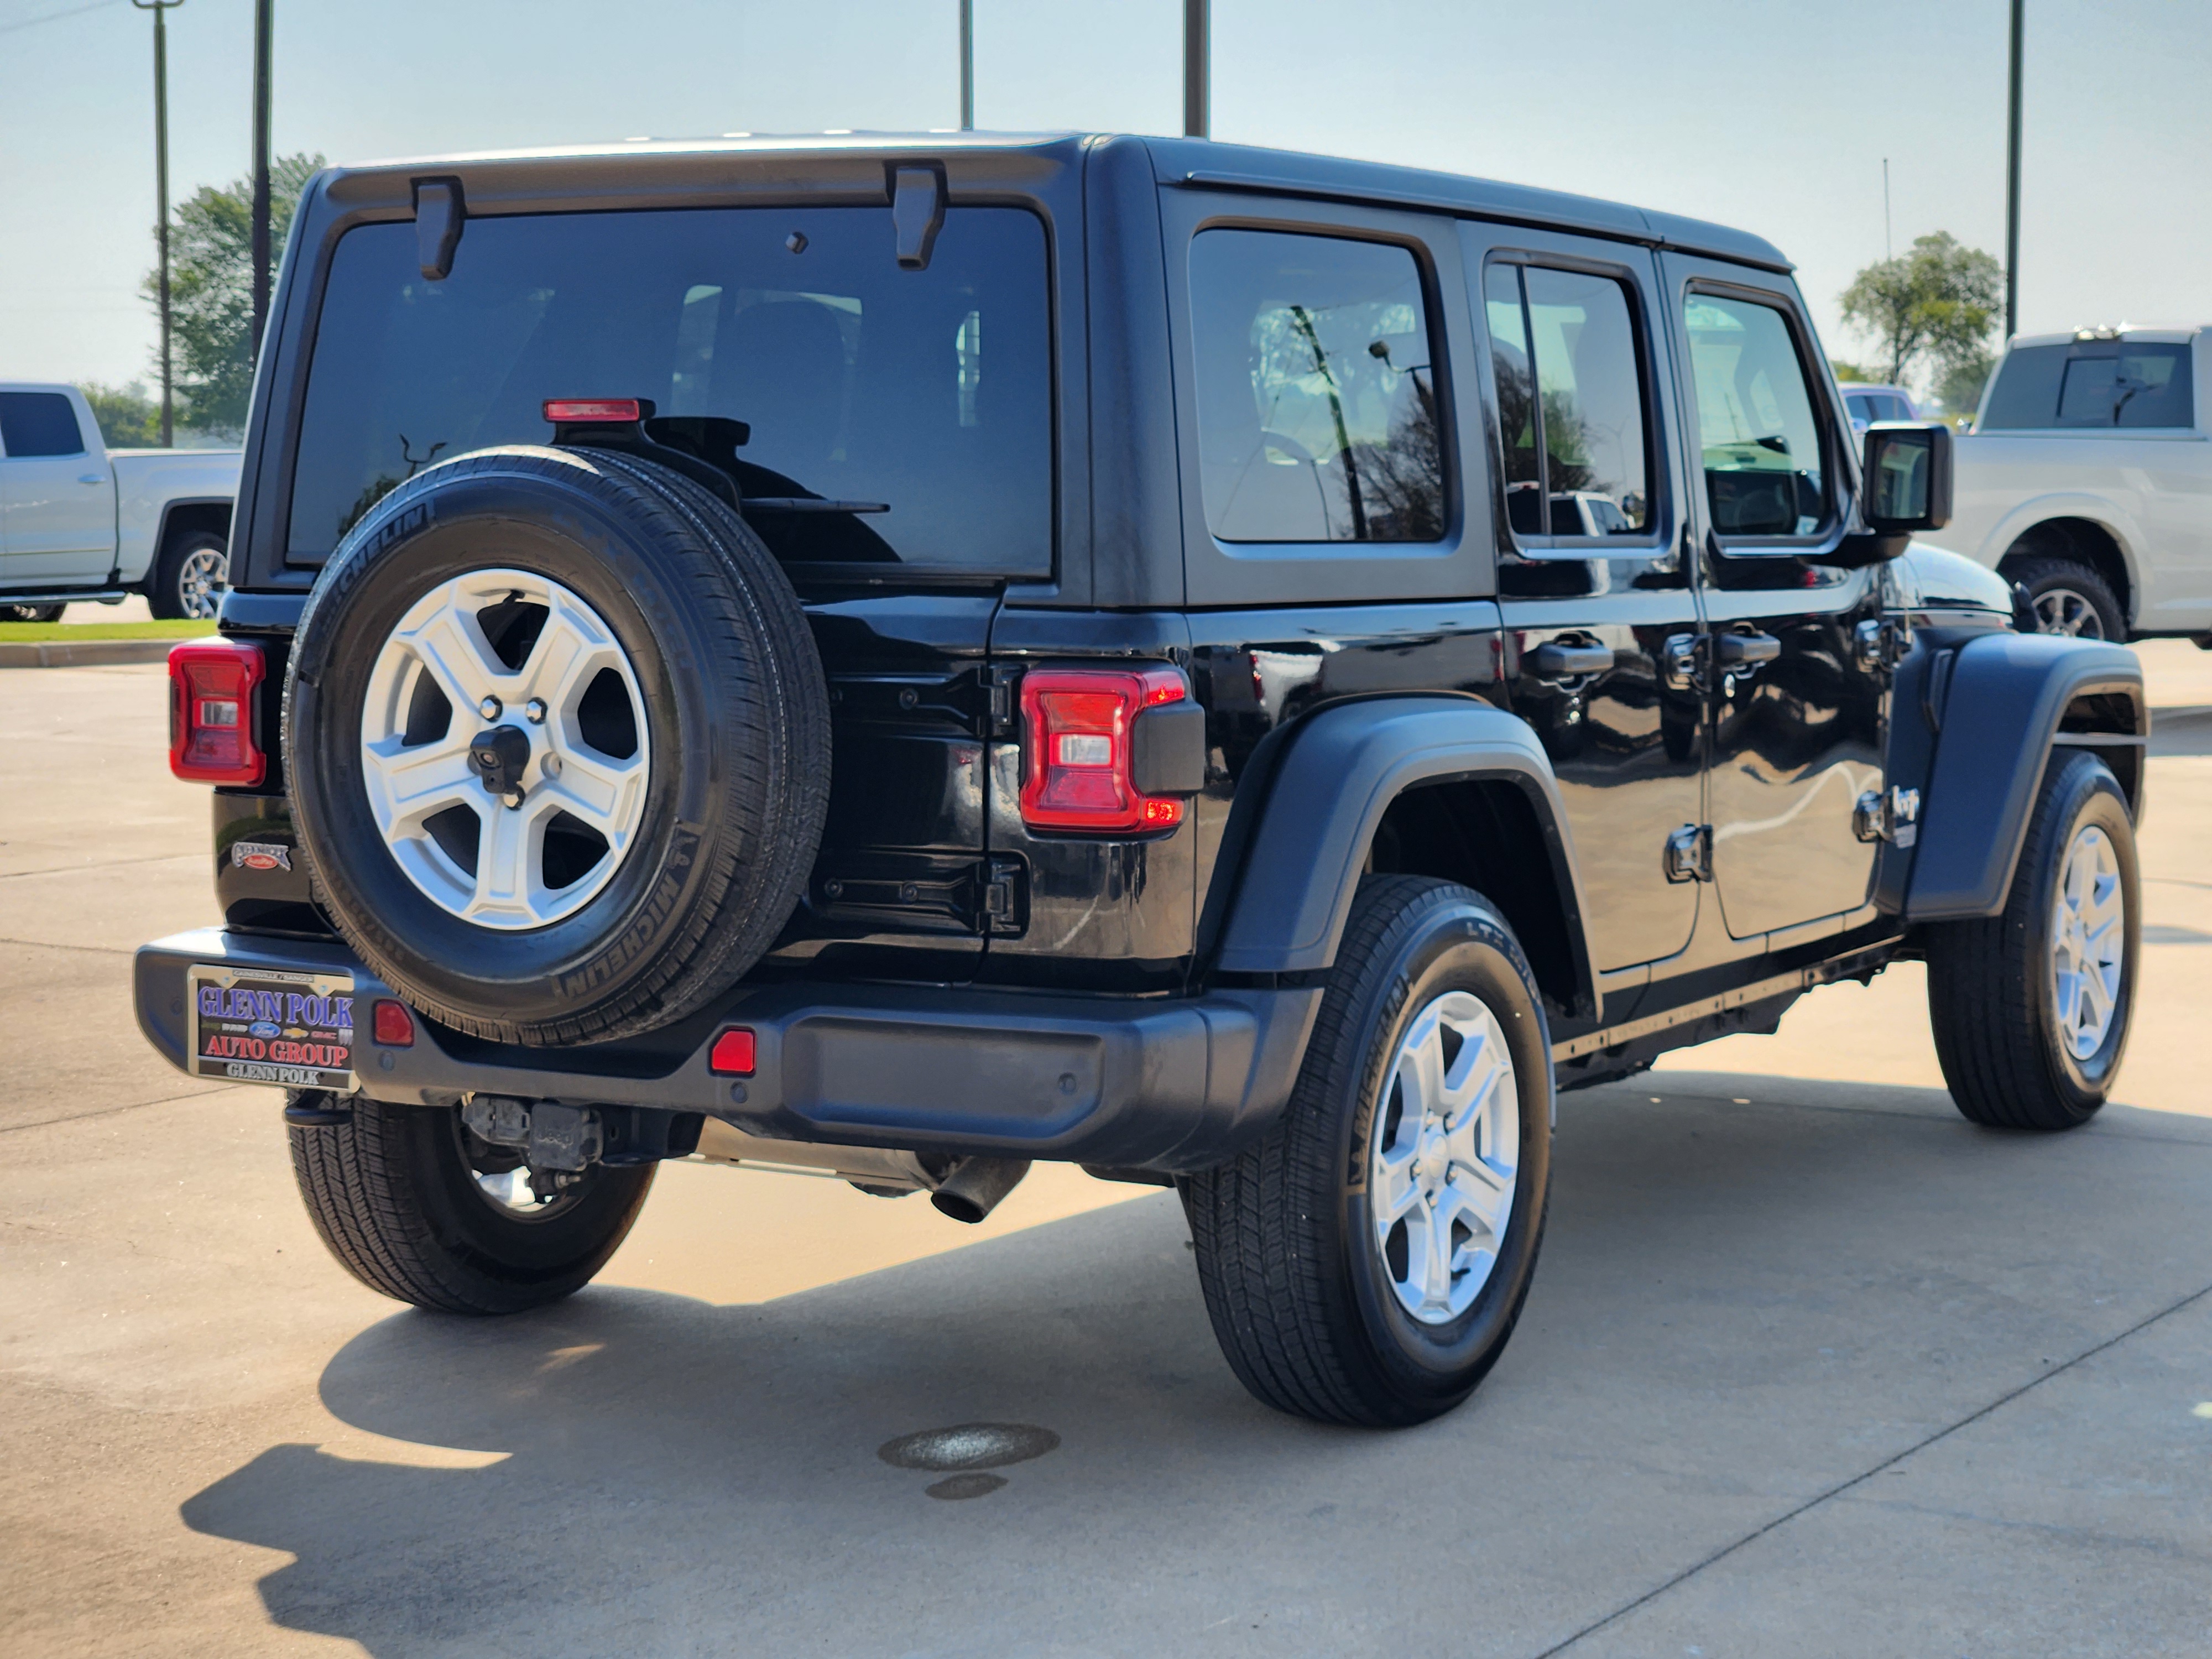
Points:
x=81, y=521
x=2088, y=480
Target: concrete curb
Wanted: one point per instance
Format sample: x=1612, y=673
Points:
x=90, y=653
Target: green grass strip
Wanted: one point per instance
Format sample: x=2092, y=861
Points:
x=16, y=632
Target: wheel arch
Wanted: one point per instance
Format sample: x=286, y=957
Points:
x=2007, y=700
x=186, y=517
x=2082, y=531
x=1447, y=787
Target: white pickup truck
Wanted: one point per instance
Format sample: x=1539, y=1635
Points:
x=81, y=521
x=2088, y=479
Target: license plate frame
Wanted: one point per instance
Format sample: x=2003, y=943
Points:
x=290, y=1029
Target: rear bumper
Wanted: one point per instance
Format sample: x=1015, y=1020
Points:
x=1169, y=1085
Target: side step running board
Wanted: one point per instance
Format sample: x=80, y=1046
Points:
x=1801, y=979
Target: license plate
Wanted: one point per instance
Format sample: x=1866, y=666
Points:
x=261, y=1025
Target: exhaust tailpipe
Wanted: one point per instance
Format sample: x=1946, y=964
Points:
x=972, y=1187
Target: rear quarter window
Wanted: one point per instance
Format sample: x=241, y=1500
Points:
x=929, y=392
x=2103, y=383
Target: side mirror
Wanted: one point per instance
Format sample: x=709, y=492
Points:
x=1907, y=476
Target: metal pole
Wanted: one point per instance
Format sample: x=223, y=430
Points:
x=264, y=23
x=1887, y=251
x=1197, y=67
x=161, y=198
x=2012, y=178
x=967, y=66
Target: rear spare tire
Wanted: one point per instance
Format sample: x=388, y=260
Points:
x=557, y=744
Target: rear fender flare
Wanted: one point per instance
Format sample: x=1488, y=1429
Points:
x=2006, y=697
x=1343, y=768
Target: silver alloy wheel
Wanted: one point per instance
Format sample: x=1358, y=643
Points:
x=546, y=849
x=2062, y=611
x=1446, y=1154
x=201, y=581
x=2089, y=940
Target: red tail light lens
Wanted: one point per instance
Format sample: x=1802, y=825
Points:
x=1076, y=732
x=732, y=1053
x=211, y=728
x=393, y=1025
x=563, y=411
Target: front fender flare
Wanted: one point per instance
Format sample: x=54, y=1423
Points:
x=1343, y=769
x=2006, y=694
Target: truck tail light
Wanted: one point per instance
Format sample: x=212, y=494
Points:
x=1078, y=725
x=211, y=725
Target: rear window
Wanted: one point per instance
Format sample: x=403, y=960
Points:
x=2092, y=384
x=928, y=392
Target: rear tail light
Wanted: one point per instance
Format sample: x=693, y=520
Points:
x=1078, y=725
x=394, y=1027
x=211, y=725
x=563, y=411
x=732, y=1053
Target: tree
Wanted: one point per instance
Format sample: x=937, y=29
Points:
x=211, y=289
x=1843, y=371
x=1936, y=305
x=1960, y=385
x=128, y=418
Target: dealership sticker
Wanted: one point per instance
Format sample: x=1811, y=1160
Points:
x=260, y=855
x=249, y=1025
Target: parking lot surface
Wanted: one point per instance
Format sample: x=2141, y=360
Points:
x=1811, y=1366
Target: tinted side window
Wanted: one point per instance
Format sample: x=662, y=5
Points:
x=1760, y=438
x=1317, y=401
x=2025, y=394
x=38, y=423
x=1586, y=413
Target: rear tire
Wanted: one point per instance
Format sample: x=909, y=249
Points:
x=1325, y=1306
x=392, y=1193
x=191, y=580
x=2070, y=599
x=2019, y=1048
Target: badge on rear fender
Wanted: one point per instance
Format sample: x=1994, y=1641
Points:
x=269, y=1025
x=260, y=855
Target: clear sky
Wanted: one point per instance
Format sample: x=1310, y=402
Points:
x=1774, y=115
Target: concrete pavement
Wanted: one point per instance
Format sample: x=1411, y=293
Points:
x=1811, y=1366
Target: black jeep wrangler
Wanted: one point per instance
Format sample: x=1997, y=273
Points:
x=1241, y=671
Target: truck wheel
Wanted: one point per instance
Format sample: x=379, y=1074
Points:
x=191, y=578
x=2031, y=1007
x=410, y=1208
x=558, y=745
x=1366, y=1261
x=2069, y=599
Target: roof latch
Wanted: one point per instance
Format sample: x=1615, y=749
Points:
x=438, y=214
x=917, y=214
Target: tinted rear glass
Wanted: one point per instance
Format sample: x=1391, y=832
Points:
x=928, y=391
x=38, y=423
x=2126, y=383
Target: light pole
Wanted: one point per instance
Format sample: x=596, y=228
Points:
x=161, y=194
x=967, y=64
x=265, y=22
x=1197, y=67
x=2012, y=178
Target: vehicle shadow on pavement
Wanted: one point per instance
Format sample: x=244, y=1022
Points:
x=1739, y=1304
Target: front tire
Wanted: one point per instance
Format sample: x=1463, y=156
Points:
x=2070, y=599
x=399, y=1200
x=2031, y=1007
x=1364, y=1262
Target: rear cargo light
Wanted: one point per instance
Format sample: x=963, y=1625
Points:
x=393, y=1025
x=732, y=1053
x=563, y=411
x=1078, y=725
x=211, y=737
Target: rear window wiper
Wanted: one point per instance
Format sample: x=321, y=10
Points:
x=810, y=504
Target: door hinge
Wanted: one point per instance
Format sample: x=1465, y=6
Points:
x=1682, y=660
x=1893, y=816
x=1690, y=854
x=1883, y=644
x=1002, y=711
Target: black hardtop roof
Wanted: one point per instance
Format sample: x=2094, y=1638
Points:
x=1196, y=162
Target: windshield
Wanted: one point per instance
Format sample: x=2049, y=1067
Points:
x=928, y=392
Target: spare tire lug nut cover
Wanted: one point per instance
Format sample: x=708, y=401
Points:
x=534, y=711
x=490, y=708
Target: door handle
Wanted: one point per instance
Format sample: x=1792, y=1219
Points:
x=1555, y=661
x=1741, y=650
x=90, y=478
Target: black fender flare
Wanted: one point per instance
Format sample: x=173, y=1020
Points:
x=2001, y=705
x=1342, y=769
